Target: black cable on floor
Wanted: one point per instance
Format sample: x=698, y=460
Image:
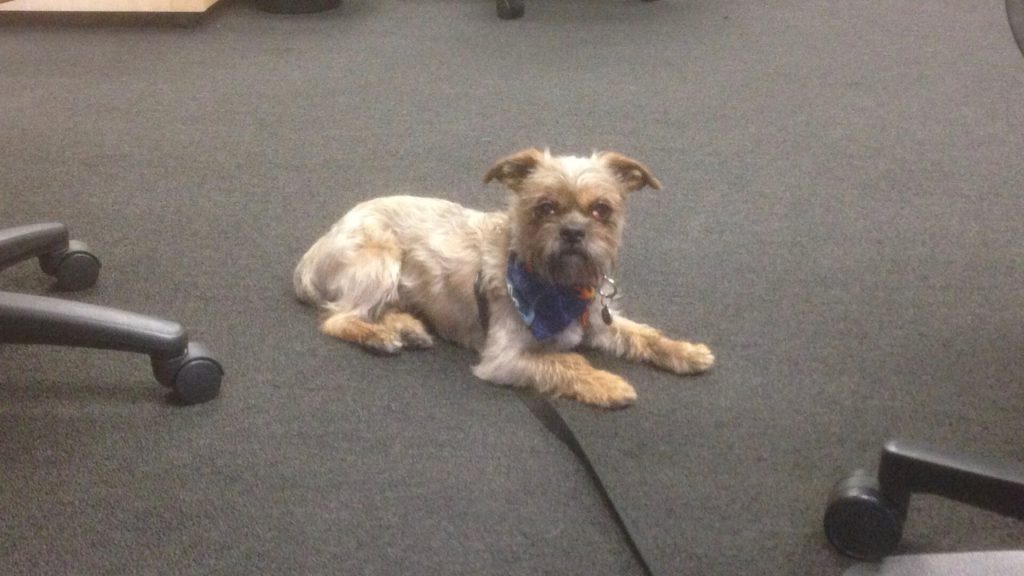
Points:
x=1015, y=12
x=553, y=421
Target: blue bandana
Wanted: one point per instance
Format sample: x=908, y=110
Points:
x=546, y=308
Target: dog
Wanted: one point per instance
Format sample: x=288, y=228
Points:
x=524, y=287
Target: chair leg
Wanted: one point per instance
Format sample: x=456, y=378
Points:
x=24, y=242
x=186, y=367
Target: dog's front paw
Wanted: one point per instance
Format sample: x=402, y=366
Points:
x=684, y=357
x=700, y=358
x=604, y=389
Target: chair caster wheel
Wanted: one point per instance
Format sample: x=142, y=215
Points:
x=859, y=521
x=75, y=268
x=198, y=381
x=511, y=9
x=195, y=377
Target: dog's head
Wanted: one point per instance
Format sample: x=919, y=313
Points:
x=567, y=212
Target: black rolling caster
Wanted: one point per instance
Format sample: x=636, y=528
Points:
x=74, y=267
x=860, y=521
x=865, y=514
x=194, y=375
x=510, y=9
x=69, y=261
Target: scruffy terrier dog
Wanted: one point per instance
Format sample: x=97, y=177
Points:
x=523, y=287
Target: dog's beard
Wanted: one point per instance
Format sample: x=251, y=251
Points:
x=572, y=266
x=563, y=263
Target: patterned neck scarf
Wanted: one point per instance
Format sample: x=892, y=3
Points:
x=546, y=308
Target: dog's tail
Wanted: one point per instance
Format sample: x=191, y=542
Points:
x=307, y=289
x=363, y=281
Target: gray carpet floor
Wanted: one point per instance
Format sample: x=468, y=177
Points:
x=841, y=222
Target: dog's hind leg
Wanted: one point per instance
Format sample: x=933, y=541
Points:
x=366, y=308
x=392, y=332
x=373, y=336
x=413, y=333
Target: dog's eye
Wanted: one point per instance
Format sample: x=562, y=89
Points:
x=546, y=208
x=600, y=211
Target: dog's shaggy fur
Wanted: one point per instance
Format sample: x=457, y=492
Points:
x=395, y=265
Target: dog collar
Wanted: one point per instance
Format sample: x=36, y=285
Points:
x=546, y=308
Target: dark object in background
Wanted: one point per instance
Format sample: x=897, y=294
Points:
x=512, y=9
x=297, y=6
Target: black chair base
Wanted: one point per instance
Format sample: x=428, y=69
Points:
x=865, y=514
x=186, y=367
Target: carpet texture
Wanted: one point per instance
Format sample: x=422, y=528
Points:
x=841, y=223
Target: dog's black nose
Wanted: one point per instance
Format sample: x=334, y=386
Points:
x=573, y=236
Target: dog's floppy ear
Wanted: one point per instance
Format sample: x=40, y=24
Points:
x=512, y=170
x=631, y=173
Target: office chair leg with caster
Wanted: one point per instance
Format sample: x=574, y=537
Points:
x=184, y=366
x=865, y=514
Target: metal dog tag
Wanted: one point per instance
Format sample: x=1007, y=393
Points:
x=606, y=297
